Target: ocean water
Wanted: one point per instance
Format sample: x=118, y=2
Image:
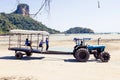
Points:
x=93, y=36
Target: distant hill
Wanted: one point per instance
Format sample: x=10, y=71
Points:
x=18, y=21
x=77, y=30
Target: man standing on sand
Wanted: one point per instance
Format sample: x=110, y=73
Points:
x=47, y=44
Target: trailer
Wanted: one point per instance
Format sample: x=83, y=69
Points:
x=17, y=43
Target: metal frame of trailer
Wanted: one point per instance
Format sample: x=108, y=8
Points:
x=17, y=43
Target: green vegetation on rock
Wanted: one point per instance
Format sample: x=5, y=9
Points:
x=77, y=30
x=18, y=21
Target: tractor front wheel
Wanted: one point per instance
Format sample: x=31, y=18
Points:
x=104, y=56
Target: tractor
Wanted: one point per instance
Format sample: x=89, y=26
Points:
x=82, y=51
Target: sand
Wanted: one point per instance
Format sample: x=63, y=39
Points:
x=59, y=67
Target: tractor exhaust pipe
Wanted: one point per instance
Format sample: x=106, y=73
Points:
x=99, y=40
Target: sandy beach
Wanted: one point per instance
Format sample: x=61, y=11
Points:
x=60, y=67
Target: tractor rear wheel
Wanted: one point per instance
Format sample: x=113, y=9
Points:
x=74, y=55
x=104, y=56
x=82, y=55
x=19, y=55
x=74, y=51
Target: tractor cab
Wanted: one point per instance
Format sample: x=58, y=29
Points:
x=81, y=41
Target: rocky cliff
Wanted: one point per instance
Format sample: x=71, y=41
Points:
x=22, y=9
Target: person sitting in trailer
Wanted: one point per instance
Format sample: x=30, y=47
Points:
x=28, y=43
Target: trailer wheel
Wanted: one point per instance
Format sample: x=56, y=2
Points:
x=28, y=54
x=82, y=55
x=104, y=56
x=19, y=55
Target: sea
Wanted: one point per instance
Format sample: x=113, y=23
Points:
x=92, y=36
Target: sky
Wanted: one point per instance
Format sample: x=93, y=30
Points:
x=65, y=14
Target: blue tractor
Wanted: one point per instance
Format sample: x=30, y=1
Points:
x=82, y=51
